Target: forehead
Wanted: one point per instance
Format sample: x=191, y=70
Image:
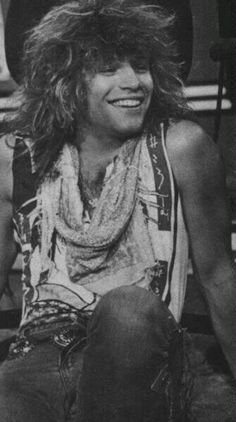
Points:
x=94, y=60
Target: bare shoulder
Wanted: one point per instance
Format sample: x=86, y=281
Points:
x=6, y=158
x=193, y=154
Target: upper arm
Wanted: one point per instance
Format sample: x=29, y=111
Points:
x=199, y=174
x=7, y=243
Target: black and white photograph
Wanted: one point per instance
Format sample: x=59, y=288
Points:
x=117, y=211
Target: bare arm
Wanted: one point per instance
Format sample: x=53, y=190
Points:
x=200, y=177
x=7, y=243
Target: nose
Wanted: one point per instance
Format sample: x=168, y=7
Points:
x=128, y=77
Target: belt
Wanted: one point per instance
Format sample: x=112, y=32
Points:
x=62, y=339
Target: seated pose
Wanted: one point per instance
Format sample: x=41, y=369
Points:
x=106, y=184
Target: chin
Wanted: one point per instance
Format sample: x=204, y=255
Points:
x=133, y=131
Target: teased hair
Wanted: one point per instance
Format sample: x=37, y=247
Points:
x=75, y=36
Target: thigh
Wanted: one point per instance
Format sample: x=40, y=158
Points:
x=30, y=386
x=133, y=360
x=70, y=368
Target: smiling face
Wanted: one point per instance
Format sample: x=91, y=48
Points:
x=118, y=97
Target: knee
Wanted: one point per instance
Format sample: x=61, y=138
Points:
x=132, y=323
x=131, y=307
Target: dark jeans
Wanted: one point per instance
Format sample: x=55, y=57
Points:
x=129, y=371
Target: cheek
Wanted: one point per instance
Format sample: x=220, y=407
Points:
x=150, y=85
x=147, y=84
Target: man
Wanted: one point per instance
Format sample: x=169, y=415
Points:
x=109, y=186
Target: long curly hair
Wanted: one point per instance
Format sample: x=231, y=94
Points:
x=73, y=38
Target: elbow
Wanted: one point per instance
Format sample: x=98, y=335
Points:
x=216, y=276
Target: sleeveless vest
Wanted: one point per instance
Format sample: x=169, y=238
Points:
x=152, y=252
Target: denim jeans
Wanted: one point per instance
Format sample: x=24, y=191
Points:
x=129, y=371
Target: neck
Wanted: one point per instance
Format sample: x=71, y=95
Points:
x=101, y=149
x=95, y=155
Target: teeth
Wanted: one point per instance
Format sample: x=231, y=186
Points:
x=127, y=103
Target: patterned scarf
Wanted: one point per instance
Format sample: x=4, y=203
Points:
x=61, y=208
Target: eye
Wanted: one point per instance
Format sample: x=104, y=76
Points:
x=108, y=69
x=141, y=65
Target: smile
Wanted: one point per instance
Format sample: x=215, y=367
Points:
x=127, y=102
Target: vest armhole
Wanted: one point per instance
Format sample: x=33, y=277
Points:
x=164, y=128
x=23, y=177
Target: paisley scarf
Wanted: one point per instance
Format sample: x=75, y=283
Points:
x=61, y=208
